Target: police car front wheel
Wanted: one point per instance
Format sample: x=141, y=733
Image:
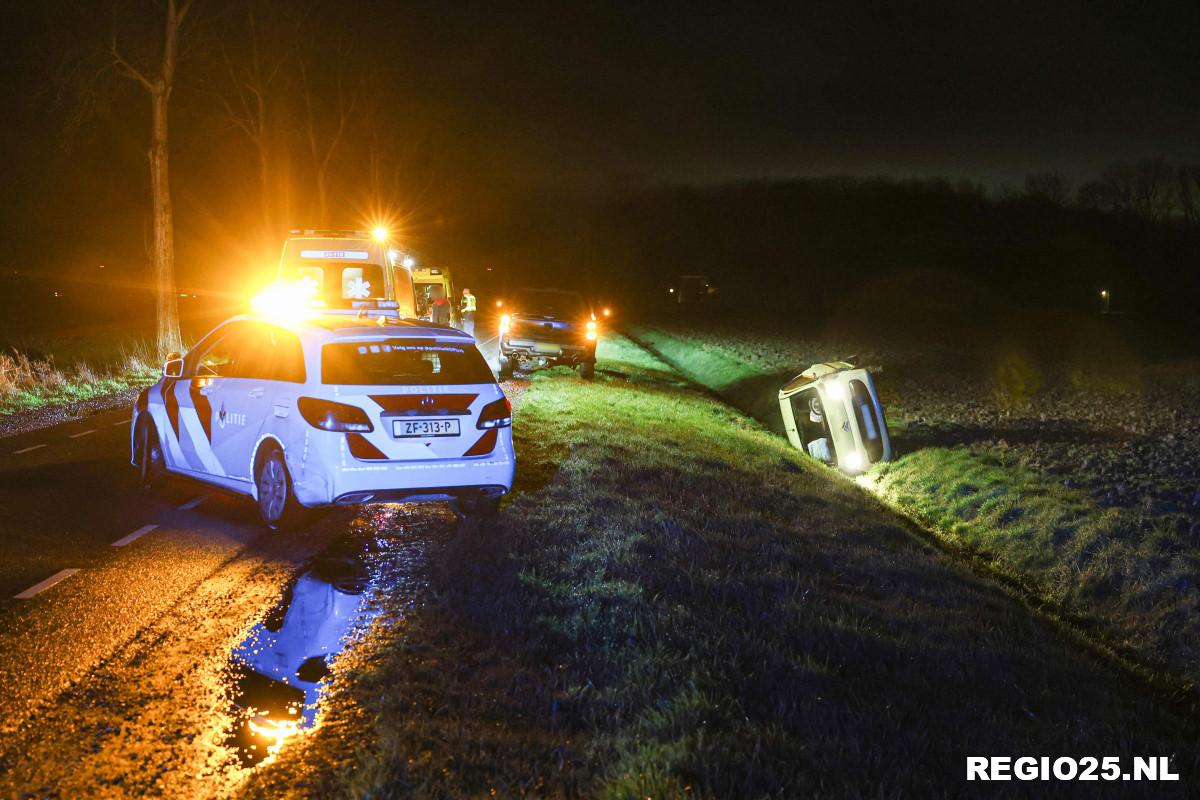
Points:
x=277, y=504
x=152, y=468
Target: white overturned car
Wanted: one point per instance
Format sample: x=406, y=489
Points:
x=832, y=412
x=327, y=411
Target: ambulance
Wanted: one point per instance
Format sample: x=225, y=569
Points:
x=349, y=272
x=431, y=284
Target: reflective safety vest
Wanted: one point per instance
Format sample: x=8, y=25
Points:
x=468, y=303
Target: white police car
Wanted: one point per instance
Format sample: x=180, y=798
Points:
x=330, y=410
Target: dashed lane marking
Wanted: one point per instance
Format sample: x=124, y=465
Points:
x=27, y=449
x=85, y=433
x=38, y=588
x=133, y=537
x=122, y=422
x=195, y=501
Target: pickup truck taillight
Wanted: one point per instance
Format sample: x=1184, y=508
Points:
x=330, y=416
x=497, y=414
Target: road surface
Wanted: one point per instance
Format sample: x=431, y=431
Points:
x=119, y=608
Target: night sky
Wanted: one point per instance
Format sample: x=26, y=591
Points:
x=702, y=92
x=491, y=99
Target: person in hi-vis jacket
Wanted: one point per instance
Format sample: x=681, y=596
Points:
x=467, y=310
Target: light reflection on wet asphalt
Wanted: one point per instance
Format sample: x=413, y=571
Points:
x=279, y=673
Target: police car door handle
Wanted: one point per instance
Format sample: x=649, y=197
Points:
x=257, y=392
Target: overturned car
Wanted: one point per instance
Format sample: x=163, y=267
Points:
x=832, y=412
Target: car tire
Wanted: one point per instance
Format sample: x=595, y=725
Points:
x=506, y=367
x=152, y=466
x=277, y=504
x=587, y=370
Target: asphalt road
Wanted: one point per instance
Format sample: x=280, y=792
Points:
x=71, y=510
x=108, y=591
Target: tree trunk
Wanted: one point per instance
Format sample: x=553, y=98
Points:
x=322, y=196
x=168, y=337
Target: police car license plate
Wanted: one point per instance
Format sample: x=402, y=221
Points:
x=419, y=428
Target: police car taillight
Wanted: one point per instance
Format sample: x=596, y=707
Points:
x=338, y=417
x=497, y=414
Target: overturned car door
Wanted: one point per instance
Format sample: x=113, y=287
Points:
x=832, y=412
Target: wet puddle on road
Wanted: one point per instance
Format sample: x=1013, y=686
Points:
x=278, y=674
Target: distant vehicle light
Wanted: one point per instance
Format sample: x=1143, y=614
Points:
x=671, y=290
x=590, y=336
x=409, y=262
x=499, y=303
x=591, y=325
x=505, y=320
x=380, y=233
x=608, y=312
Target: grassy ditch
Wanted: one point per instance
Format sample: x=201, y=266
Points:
x=676, y=604
x=1129, y=574
x=40, y=372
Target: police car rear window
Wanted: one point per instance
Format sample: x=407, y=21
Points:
x=402, y=362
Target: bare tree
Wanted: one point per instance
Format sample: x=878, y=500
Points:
x=324, y=131
x=159, y=82
x=253, y=75
x=1153, y=197
x=1187, y=187
x=1049, y=186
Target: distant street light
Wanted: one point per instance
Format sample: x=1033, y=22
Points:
x=1104, y=301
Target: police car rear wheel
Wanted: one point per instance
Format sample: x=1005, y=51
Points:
x=587, y=370
x=506, y=367
x=152, y=469
x=277, y=504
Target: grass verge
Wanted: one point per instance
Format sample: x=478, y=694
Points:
x=1128, y=578
x=44, y=372
x=676, y=604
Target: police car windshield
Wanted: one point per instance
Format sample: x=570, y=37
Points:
x=550, y=303
x=402, y=362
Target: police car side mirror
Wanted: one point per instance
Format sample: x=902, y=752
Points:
x=174, y=367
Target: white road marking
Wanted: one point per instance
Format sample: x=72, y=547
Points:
x=195, y=501
x=27, y=449
x=133, y=537
x=85, y=433
x=122, y=422
x=38, y=588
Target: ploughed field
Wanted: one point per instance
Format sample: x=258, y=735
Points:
x=1054, y=455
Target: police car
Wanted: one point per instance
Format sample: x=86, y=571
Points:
x=329, y=410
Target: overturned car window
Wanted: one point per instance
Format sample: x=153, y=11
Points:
x=812, y=425
x=868, y=421
x=402, y=362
